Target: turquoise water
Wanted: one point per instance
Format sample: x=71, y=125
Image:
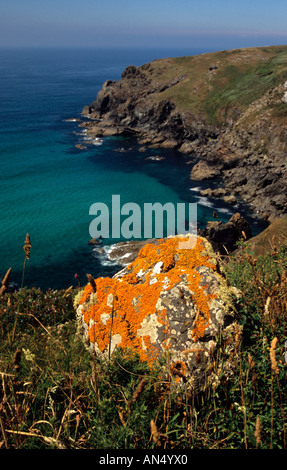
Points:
x=47, y=185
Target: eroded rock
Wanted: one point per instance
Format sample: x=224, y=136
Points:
x=204, y=171
x=224, y=236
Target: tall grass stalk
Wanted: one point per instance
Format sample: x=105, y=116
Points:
x=5, y=282
x=27, y=250
x=243, y=406
x=111, y=329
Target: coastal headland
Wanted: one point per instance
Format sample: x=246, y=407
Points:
x=227, y=110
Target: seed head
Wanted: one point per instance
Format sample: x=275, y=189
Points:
x=257, y=433
x=27, y=246
x=138, y=391
x=154, y=432
x=92, y=282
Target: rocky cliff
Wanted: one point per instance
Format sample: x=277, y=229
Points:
x=227, y=108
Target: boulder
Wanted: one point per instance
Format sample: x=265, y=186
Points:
x=206, y=192
x=231, y=199
x=205, y=171
x=219, y=192
x=93, y=241
x=171, y=306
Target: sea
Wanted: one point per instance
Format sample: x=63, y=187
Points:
x=51, y=173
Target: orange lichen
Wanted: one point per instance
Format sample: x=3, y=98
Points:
x=86, y=295
x=135, y=296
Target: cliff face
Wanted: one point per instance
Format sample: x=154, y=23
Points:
x=228, y=108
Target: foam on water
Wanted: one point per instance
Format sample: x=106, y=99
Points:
x=224, y=210
x=103, y=254
x=197, y=189
x=204, y=201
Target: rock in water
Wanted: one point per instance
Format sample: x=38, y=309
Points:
x=171, y=302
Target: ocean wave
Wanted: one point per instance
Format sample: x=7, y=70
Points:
x=93, y=140
x=107, y=262
x=102, y=253
x=203, y=201
x=97, y=141
x=109, y=248
x=224, y=210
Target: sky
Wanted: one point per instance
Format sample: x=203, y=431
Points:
x=213, y=24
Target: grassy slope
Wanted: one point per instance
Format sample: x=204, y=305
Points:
x=274, y=235
x=55, y=394
x=240, y=77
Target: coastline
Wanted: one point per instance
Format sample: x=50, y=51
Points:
x=142, y=104
x=48, y=146
x=222, y=232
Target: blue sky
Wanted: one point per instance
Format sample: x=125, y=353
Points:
x=214, y=24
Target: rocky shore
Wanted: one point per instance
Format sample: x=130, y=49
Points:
x=205, y=107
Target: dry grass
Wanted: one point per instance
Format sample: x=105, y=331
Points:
x=55, y=394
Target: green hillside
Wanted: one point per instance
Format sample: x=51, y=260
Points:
x=217, y=84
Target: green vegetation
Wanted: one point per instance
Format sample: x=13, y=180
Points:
x=221, y=85
x=55, y=394
x=243, y=85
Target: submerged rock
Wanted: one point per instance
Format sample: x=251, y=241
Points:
x=126, y=252
x=94, y=241
x=172, y=302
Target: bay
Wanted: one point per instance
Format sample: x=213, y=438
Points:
x=47, y=184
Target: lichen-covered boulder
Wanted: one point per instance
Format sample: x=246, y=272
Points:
x=171, y=302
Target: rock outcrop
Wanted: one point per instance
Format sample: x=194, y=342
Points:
x=224, y=236
x=126, y=252
x=171, y=304
x=227, y=108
